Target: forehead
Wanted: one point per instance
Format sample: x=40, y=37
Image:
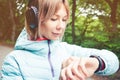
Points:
x=61, y=10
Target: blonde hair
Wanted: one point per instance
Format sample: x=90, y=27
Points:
x=46, y=9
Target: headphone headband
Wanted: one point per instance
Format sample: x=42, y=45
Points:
x=32, y=14
x=35, y=10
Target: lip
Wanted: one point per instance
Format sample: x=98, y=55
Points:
x=57, y=34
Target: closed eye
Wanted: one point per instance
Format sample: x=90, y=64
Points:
x=64, y=20
x=53, y=19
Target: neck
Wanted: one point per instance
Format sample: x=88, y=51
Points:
x=41, y=39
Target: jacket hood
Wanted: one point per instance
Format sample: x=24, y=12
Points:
x=23, y=43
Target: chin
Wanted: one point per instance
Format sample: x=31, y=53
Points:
x=57, y=38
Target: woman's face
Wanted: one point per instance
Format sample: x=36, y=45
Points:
x=54, y=27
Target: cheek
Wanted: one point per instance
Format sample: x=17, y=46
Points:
x=46, y=27
x=63, y=28
x=63, y=31
x=50, y=26
x=42, y=29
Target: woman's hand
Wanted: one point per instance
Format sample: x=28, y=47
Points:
x=75, y=68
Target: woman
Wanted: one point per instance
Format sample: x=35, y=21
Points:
x=40, y=55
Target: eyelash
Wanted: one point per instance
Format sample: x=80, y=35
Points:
x=64, y=20
x=54, y=19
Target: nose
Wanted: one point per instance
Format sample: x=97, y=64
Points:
x=61, y=24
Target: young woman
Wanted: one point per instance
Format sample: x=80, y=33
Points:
x=40, y=55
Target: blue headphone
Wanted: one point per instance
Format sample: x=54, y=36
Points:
x=32, y=14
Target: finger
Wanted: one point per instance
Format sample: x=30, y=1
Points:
x=69, y=73
x=77, y=72
x=82, y=67
x=67, y=62
x=63, y=74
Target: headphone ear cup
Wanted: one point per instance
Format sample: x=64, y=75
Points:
x=31, y=18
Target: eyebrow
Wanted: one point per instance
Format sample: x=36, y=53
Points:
x=58, y=15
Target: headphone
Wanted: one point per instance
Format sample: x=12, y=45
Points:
x=32, y=14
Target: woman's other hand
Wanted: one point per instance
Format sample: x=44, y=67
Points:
x=75, y=68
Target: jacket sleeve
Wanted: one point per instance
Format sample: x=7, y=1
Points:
x=10, y=69
x=110, y=59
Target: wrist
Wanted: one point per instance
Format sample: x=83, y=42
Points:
x=101, y=65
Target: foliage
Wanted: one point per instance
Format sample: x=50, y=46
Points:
x=94, y=27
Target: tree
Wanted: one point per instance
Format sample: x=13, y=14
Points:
x=73, y=20
x=12, y=18
x=12, y=13
x=113, y=16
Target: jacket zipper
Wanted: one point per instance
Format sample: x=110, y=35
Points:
x=49, y=59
